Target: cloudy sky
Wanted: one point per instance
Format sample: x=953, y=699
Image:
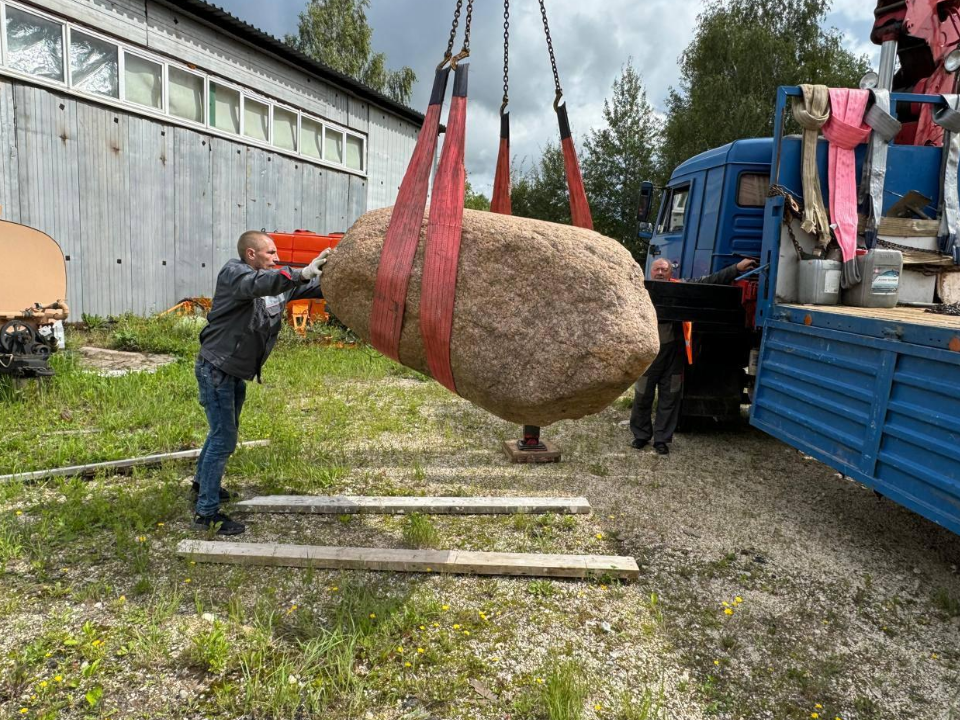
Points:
x=591, y=44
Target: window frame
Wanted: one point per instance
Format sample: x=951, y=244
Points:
x=163, y=79
x=274, y=106
x=69, y=65
x=253, y=97
x=323, y=136
x=204, y=110
x=64, y=45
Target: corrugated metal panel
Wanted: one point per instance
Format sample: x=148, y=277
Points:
x=9, y=183
x=151, y=198
x=193, y=233
x=262, y=178
x=389, y=148
x=313, y=204
x=229, y=199
x=123, y=18
x=287, y=193
x=356, y=199
x=48, y=177
x=338, y=198
x=884, y=412
x=104, y=209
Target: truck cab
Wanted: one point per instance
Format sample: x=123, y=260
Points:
x=711, y=211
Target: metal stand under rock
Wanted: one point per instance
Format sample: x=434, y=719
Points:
x=531, y=448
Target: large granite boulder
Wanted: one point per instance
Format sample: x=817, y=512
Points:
x=551, y=322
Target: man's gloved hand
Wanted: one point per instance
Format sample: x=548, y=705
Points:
x=312, y=270
x=746, y=264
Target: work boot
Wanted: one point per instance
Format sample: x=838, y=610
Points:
x=638, y=444
x=225, y=495
x=220, y=522
x=661, y=448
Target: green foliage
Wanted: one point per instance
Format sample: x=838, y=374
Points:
x=540, y=192
x=336, y=33
x=419, y=532
x=742, y=51
x=619, y=157
x=474, y=200
x=564, y=691
x=162, y=334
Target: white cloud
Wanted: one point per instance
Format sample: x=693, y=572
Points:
x=593, y=39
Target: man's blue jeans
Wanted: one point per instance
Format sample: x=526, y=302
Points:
x=222, y=397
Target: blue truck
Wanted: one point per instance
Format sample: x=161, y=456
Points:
x=872, y=392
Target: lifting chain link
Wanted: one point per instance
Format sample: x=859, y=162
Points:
x=553, y=59
x=453, y=34
x=506, y=56
x=448, y=56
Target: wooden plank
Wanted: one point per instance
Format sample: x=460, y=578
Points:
x=398, y=560
x=916, y=316
x=117, y=464
x=550, y=454
x=392, y=505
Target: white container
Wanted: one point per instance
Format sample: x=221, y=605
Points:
x=818, y=282
x=917, y=286
x=879, y=285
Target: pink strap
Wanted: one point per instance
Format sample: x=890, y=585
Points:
x=845, y=130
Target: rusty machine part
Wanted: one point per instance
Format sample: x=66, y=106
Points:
x=33, y=285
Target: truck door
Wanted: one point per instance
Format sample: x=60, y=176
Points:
x=675, y=212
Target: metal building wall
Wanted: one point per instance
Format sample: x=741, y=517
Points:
x=148, y=212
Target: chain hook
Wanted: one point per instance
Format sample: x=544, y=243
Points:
x=556, y=99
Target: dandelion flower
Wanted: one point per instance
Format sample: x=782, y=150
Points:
x=814, y=715
x=456, y=626
x=728, y=611
x=818, y=706
x=466, y=632
x=933, y=656
x=420, y=651
x=444, y=607
x=598, y=707
x=408, y=664
x=23, y=711
x=600, y=536
x=436, y=624
x=399, y=648
x=373, y=616
x=716, y=662
x=738, y=599
x=19, y=513
x=603, y=587
x=334, y=588
x=122, y=599
x=43, y=683
x=49, y=654
x=423, y=627
x=725, y=603
x=186, y=580
x=58, y=678
x=159, y=524
x=540, y=680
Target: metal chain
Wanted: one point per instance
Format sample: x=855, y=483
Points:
x=453, y=30
x=466, y=29
x=791, y=210
x=553, y=59
x=506, y=57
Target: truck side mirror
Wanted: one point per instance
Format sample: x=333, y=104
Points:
x=646, y=201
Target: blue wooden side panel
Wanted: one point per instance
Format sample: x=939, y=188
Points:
x=882, y=411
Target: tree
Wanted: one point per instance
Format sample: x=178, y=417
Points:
x=741, y=52
x=541, y=191
x=473, y=199
x=619, y=157
x=336, y=33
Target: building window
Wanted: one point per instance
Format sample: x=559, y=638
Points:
x=354, y=152
x=285, y=129
x=333, y=146
x=94, y=65
x=142, y=81
x=186, y=94
x=312, y=136
x=34, y=45
x=256, y=119
x=224, y=108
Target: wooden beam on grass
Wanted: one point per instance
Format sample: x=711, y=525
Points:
x=394, y=505
x=92, y=468
x=425, y=561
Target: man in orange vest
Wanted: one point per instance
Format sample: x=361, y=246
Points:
x=665, y=375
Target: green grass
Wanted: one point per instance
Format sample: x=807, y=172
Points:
x=419, y=532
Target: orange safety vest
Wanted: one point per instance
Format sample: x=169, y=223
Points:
x=687, y=334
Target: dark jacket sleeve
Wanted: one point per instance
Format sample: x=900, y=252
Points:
x=306, y=291
x=247, y=283
x=722, y=277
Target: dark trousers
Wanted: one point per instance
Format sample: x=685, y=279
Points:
x=222, y=397
x=665, y=376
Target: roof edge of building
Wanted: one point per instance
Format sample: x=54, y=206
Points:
x=222, y=19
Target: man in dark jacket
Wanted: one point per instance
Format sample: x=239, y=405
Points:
x=665, y=375
x=242, y=328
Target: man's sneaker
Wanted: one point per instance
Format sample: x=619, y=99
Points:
x=225, y=495
x=219, y=522
x=661, y=448
x=638, y=444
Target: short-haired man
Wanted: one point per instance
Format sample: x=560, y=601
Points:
x=665, y=374
x=242, y=328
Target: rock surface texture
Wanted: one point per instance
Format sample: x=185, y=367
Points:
x=551, y=322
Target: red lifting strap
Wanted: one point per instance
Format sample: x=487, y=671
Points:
x=579, y=207
x=501, y=179
x=403, y=233
x=442, y=253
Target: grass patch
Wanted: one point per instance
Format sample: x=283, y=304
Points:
x=419, y=531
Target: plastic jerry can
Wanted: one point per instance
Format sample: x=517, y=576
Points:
x=879, y=286
x=818, y=282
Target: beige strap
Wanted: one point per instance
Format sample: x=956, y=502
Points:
x=811, y=113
